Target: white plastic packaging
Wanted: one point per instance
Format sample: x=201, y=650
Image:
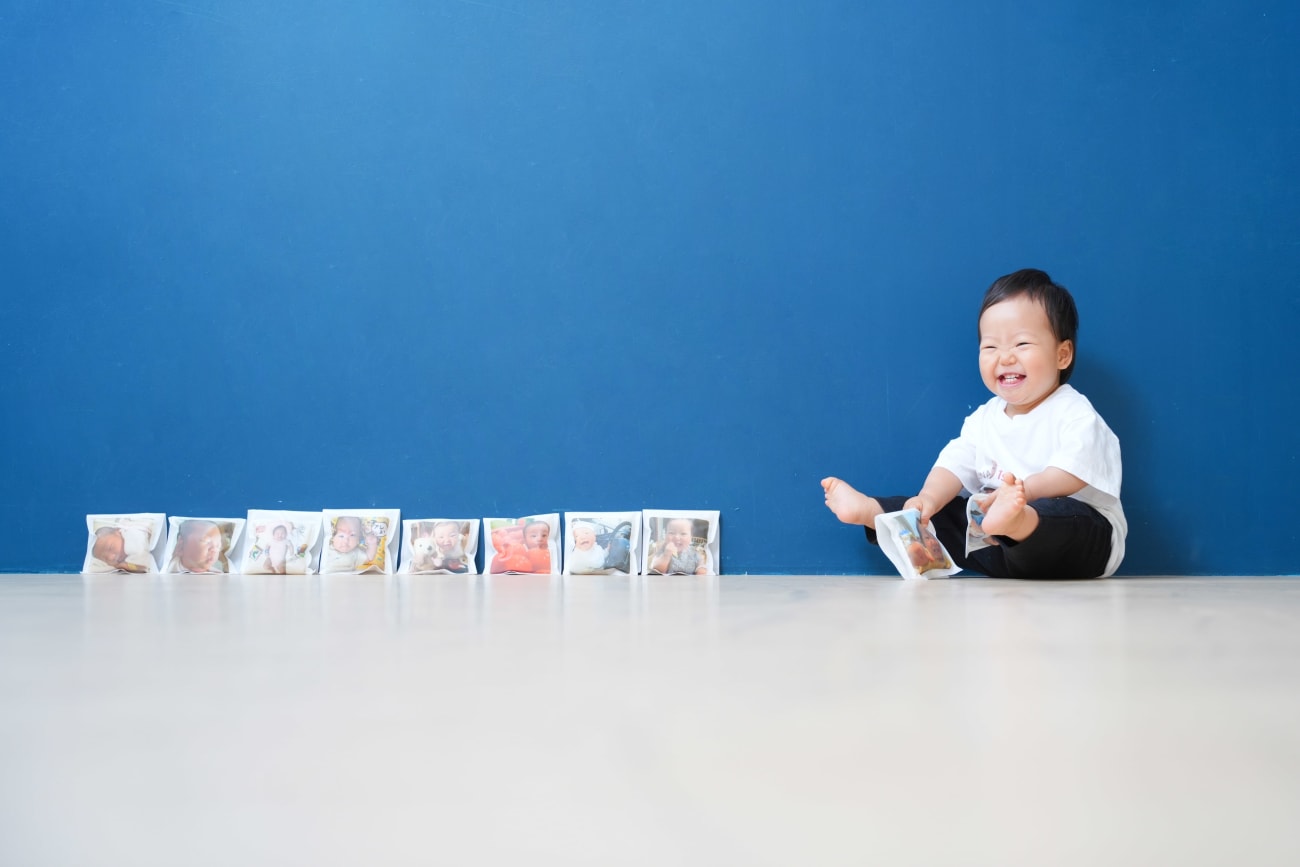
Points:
x=976, y=538
x=281, y=542
x=602, y=543
x=439, y=546
x=913, y=549
x=529, y=545
x=359, y=541
x=202, y=545
x=125, y=543
x=680, y=542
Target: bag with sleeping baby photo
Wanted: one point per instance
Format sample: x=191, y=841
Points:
x=201, y=545
x=602, y=543
x=445, y=546
x=360, y=541
x=530, y=545
x=913, y=549
x=125, y=543
x=281, y=543
x=680, y=542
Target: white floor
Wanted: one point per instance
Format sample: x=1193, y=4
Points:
x=740, y=720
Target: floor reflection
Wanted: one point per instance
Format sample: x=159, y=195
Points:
x=361, y=602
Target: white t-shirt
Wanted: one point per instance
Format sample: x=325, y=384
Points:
x=1063, y=431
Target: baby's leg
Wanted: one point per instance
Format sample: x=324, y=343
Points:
x=849, y=505
x=1072, y=541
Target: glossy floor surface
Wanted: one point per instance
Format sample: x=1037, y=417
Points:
x=738, y=720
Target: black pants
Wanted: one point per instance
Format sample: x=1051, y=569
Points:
x=1072, y=540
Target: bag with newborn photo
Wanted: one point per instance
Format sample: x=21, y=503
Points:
x=602, y=543
x=529, y=545
x=445, y=546
x=680, y=542
x=281, y=542
x=125, y=543
x=913, y=549
x=201, y=545
x=359, y=541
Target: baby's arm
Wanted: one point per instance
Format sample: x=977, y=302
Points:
x=939, y=489
x=662, y=557
x=1050, y=483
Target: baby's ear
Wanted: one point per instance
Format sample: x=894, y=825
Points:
x=1064, y=354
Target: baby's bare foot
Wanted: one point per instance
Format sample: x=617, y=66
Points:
x=1005, y=513
x=849, y=505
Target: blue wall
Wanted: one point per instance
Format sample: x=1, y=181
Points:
x=510, y=257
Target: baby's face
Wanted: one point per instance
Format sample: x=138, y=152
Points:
x=445, y=538
x=538, y=535
x=111, y=548
x=199, y=551
x=279, y=534
x=1020, y=358
x=347, y=535
x=679, y=534
x=584, y=538
x=932, y=545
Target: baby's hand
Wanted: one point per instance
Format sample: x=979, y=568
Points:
x=922, y=505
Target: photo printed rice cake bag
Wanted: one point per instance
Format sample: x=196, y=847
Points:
x=281, y=542
x=602, y=543
x=125, y=543
x=202, y=545
x=976, y=538
x=680, y=542
x=439, y=546
x=529, y=545
x=913, y=549
x=360, y=541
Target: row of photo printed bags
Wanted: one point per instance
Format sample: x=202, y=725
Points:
x=372, y=541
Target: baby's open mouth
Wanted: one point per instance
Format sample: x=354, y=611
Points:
x=1010, y=378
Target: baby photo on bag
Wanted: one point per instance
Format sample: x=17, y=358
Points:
x=529, y=545
x=976, y=538
x=125, y=543
x=913, y=549
x=281, y=542
x=680, y=542
x=357, y=541
x=602, y=543
x=439, y=546
x=201, y=545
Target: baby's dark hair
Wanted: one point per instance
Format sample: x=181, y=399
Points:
x=1062, y=315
